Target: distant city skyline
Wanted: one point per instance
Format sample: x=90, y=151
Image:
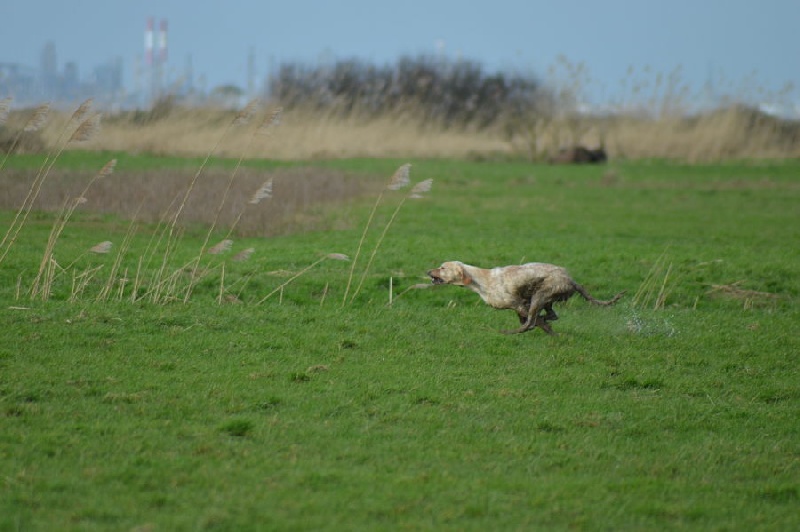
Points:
x=738, y=47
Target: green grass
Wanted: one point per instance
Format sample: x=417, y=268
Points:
x=301, y=414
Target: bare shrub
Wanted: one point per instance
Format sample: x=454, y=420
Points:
x=435, y=89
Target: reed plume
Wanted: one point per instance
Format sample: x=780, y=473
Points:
x=401, y=178
x=243, y=255
x=86, y=130
x=82, y=110
x=34, y=123
x=420, y=188
x=38, y=119
x=102, y=247
x=221, y=247
x=272, y=120
x=265, y=192
x=244, y=116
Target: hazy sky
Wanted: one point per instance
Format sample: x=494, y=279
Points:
x=738, y=42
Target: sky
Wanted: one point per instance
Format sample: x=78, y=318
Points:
x=738, y=45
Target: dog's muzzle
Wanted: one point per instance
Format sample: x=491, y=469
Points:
x=434, y=278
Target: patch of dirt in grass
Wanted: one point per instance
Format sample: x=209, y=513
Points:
x=299, y=198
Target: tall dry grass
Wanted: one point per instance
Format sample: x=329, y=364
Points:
x=397, y=181
x=77, y=129
x=304, y=135
x=732, y=132
x=228, y=200
x=41, y=287
x=418, y=191
x=648, y=115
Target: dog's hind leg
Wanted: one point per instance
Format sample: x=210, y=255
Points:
x=533, y=319
x=543, y=325
x=550, y=314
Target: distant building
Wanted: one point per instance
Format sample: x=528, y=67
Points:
x=48, y=71
x=30, y=86
x=18, y=81
x=107, y=78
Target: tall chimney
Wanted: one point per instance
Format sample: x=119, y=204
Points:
x=148, y=42
x=162, y=42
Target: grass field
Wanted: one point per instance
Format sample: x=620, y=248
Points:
x=675, y=409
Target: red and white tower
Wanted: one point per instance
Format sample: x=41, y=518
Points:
x=155, y=55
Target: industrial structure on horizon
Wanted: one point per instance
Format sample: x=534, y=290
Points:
x=155, y=61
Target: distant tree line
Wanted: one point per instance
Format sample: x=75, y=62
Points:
x=434, y=89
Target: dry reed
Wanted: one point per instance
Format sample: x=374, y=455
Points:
x=39, y=115
x=734, y=131
x=82, y=132
x=42, y=283
x=241, y=118
x=106, y=290
x=653, y=290
x=399, y=179
x=416, y=192
x=279, y=289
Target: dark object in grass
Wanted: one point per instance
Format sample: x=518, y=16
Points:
x=527, y=289
x=579, y=155
x=237, y=428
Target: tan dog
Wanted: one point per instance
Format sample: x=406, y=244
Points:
x=527, y=289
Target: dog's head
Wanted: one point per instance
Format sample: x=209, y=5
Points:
x=452, y=272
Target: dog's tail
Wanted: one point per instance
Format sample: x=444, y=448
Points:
x=582, y=291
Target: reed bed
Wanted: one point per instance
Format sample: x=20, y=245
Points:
x=232, y=202
x=731, y=133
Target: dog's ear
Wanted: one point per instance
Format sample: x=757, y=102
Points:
x=466, y=279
